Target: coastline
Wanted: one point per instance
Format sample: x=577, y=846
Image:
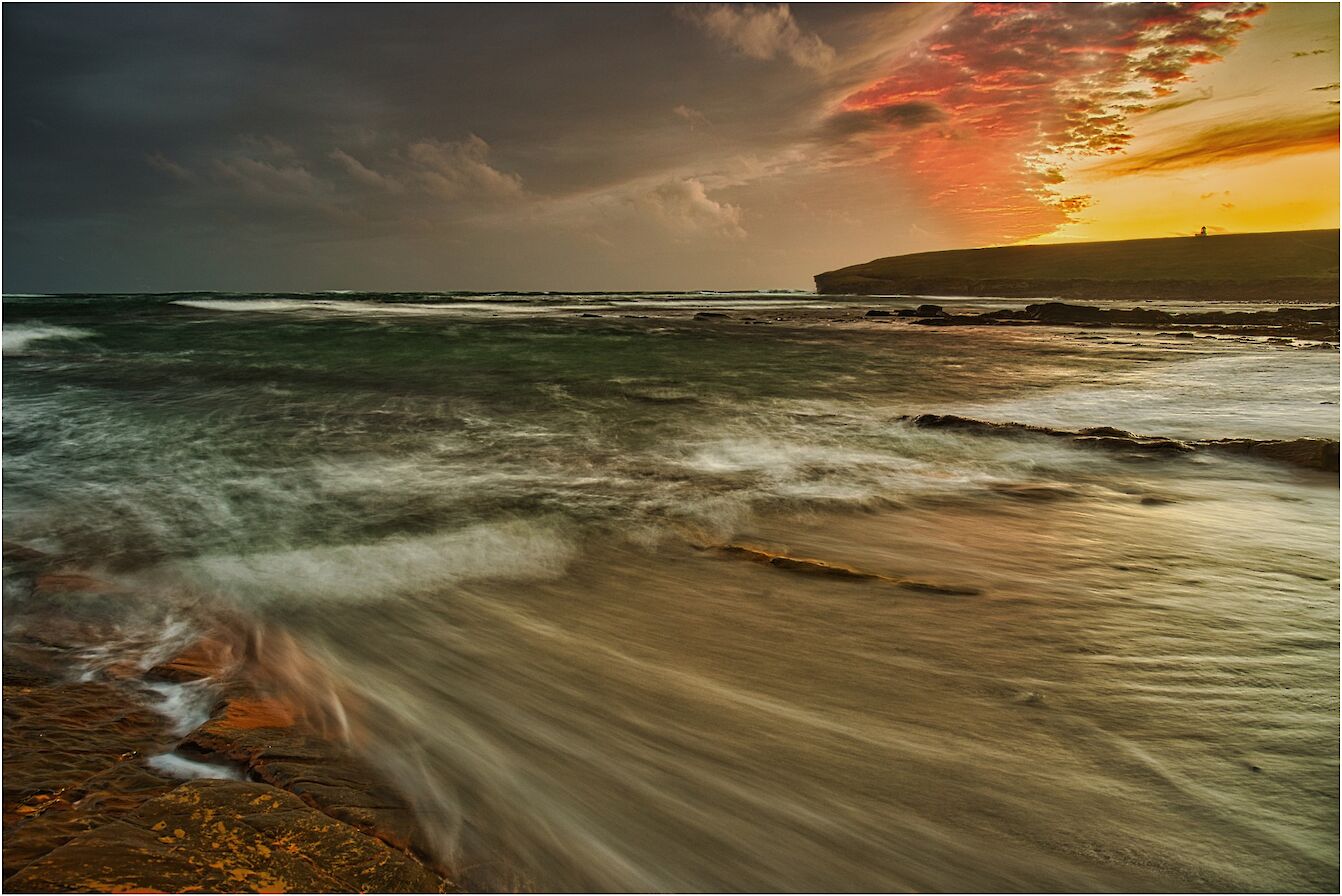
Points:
x=105, y=791
x=1279, y=266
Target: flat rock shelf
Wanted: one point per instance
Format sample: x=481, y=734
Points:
x=94, y=796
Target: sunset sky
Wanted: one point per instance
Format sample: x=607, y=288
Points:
x=442, y=147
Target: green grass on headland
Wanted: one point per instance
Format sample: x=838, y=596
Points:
x=1291, y=265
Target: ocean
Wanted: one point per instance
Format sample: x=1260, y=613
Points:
x=492, y=524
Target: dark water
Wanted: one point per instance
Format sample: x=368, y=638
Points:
x=480, y=516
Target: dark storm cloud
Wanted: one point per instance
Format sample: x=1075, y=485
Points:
x=461, y=146
x=317, y=123
x=898, y=115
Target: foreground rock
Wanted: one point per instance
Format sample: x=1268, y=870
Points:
x=72, y=762
x=263, y=737
x=225, y=836
x=89, y=805
x=1311, y=454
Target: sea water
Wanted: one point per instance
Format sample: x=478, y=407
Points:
x=489, y=521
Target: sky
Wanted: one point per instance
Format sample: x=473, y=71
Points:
x=156, y=148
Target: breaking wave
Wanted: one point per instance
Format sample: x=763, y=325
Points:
x=18, y=337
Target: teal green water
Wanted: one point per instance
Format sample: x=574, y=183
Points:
x=477, y=513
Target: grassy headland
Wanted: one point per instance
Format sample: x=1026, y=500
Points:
x=1291, y=265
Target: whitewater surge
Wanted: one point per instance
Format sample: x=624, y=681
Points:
x=385, y=569
x=18, y=337
x=496, y=544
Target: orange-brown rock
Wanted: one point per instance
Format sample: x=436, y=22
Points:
x=1309, y=453
x=72, y=759
x=226, y=836
x=21, y=555
x=206, y=658
x=71, y=582
x=85, y=812
x=266, y=737
x=47, y=822
x=811, y=566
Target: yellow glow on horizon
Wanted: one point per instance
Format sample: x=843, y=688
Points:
x=1287, y=193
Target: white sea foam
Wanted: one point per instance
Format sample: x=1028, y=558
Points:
x=475, y=308
x=17, y=338
x=184, y=769
x=185, y=704
x=518, y=551
x=336, y=306
x=1252, y=393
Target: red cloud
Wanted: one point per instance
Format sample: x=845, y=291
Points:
x=1017, y=83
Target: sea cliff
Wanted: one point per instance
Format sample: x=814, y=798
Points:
x=1284, y=266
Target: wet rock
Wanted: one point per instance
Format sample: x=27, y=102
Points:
x=1307, y=323
x=954, y=421
x=18, y=556
x=930, y=311
x=1035, y=491
x=224, y=836
x=70, y=583
x=1311, y=454
x=836, y=570
x=73, y=754
x=797, y=564
x=57, y=736
x=1142, y=444
x=934, y=588
x=1063, y=313
x=710, y=315
x=1102, y=431
x=269, y=738
x=877, y=312
x=89, y=806
x=48, y=823
x=206, y=658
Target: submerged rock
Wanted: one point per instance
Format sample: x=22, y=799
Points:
x=1308, y=453
x=797, y=564
x=836, y=570
x=1309, y=323
x=207, y=658
x=22, y=556
x=1312, y=454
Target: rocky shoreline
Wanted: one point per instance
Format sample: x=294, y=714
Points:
x=1319, y=455
x=103, y=793
x=1294, y=323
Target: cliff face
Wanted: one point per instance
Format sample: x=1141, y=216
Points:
x=1300, y=265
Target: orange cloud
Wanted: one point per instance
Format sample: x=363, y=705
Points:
x=1005, y=91
x=1232, y=142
